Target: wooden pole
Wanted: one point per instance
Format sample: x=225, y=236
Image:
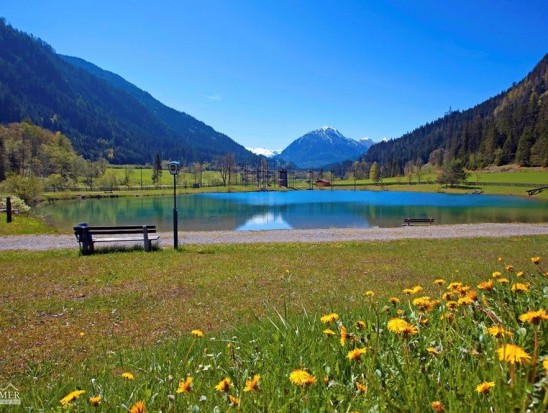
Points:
x=8, y=210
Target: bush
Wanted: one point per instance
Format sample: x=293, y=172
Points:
x=16, y=204
x=28, y=188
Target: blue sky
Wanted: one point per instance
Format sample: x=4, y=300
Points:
x=267, y=72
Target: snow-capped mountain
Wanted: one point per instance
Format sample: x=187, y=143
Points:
x=322, y=147
x=366, y=142
x=269, y=153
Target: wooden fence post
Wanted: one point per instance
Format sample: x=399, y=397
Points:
x=8, y=210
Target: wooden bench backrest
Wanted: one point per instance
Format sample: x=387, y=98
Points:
x=121, y=229
x=408, y=220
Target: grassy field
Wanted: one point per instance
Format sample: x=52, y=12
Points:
x=76, y=322
x=212, y=181
x=22, y=225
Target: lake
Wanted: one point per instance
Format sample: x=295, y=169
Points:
x=294, y=210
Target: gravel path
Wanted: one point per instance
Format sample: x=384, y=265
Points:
x=46, y=242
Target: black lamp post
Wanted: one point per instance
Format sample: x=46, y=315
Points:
x=174, y=167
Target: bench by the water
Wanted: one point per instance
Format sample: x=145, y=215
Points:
x=535, y=191
x=412, y=221
x=87, y=236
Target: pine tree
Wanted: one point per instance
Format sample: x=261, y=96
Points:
x=374, y=172
x=156, y=169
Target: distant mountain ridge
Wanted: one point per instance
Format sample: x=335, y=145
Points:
x=102, y=114
x=322, y=147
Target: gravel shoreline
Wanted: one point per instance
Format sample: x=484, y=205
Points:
x=48, y=242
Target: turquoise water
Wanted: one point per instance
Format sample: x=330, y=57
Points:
x=295, y=210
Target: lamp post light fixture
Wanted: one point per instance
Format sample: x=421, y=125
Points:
x=174, y=168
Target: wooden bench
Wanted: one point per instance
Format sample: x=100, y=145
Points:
x=412, y=221
x=87, y=236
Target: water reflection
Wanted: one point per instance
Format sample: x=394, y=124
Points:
x=263, y=222
x=299, y=210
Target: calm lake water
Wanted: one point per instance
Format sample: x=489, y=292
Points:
x=297, y=210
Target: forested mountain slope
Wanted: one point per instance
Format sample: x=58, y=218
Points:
x=511, y=127
x=102, y=117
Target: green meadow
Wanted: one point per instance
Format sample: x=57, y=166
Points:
x=498, y=182
x=286, y=327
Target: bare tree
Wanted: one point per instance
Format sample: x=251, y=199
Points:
x=227, y=165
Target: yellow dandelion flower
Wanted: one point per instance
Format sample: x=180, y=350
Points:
x=362, y=388
x=417, y=289
x=464, y=290
x=329, y=318
x=455, y=286
x=400, y=326
x=409, y=331
x=344, y=335
x=535, y=260
x=185, y=386
x=69, y=398
x=82, y=334
x=545, y=364
x=499, y=332
x=439, y=281
x=224, y=385
x=396, y=325
x=138, y=407
x=486, y=285
x=197, y=333
x=95, y=400
x=252, y=384
x=485, y=387
x=424, y=321
x=499, y=259
x=326, y=380
x=485, y=301
x=534, y=317
x=360, y=325
x=433, y=351
x=447, y=296
x=452, y=305
x=512, y=354
x=407, y=291
x=520, y=287
x=394, y=300
x=437, y=406
x=423, y=304
x=465, y=301
x=234, y=401
x=497, y=274
x=520, y=274
x=399, y=311
x=503, y=280
x=329, y=332
x=128, y=376
x=509, y=268
x=301, y=377
x=472, y=295
x=369, y=293
x=356, y=354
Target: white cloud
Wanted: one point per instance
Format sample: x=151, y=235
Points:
x=216, y=98
x=265, y=152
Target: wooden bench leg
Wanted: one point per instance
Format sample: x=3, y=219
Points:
x=148, y=243
x=87, y=242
